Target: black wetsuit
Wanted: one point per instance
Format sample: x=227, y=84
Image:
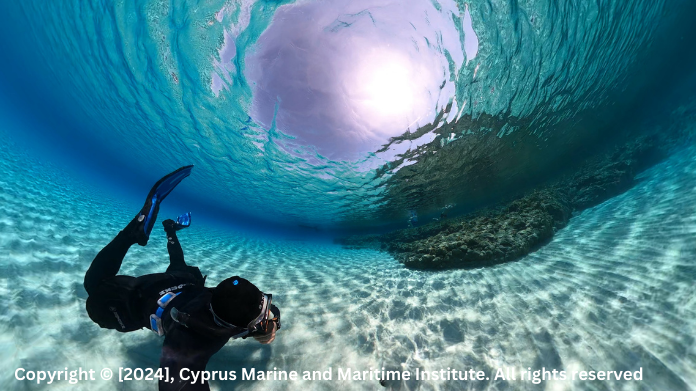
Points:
x=125, y=303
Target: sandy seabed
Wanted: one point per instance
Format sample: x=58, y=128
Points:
x=614, y=291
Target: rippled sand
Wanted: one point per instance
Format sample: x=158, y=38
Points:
x=613, y=291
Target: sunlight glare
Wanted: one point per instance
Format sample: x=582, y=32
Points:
x=385, y=88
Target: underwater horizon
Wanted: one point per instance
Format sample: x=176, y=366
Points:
x=421, y=185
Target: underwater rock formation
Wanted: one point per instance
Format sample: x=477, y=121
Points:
x=491, y=237
x=507, y=232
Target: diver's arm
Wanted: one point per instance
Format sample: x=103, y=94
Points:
x=185, y=352
x=181, y=367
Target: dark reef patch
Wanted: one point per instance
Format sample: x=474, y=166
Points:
x=508, y=231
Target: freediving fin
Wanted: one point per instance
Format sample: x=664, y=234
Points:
x=148, y=215
x=183, y=221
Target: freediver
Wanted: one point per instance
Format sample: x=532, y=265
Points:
x=196, y=321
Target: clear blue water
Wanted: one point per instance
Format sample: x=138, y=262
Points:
x=139, y=88
x=614, y=290
x=308, y=119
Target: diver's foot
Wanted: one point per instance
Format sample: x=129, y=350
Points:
x=169, y=225
x=135, y=230
x=181, y=222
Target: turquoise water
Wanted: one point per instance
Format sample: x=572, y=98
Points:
x=310, y=119
x=612, y=291
x=221, y=84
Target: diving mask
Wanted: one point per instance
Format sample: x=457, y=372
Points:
x=262, y=324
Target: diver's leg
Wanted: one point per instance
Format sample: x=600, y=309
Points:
x=176, y=253
x=107, y=263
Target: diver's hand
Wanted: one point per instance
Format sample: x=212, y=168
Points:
x=265, y=339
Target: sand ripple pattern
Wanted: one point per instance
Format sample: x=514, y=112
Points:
x=613, y=291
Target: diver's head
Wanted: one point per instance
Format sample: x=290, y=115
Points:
x=236, y=301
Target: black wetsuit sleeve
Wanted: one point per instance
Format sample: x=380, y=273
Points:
x=186, y=352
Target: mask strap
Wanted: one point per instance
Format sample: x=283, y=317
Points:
x=262, y=315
